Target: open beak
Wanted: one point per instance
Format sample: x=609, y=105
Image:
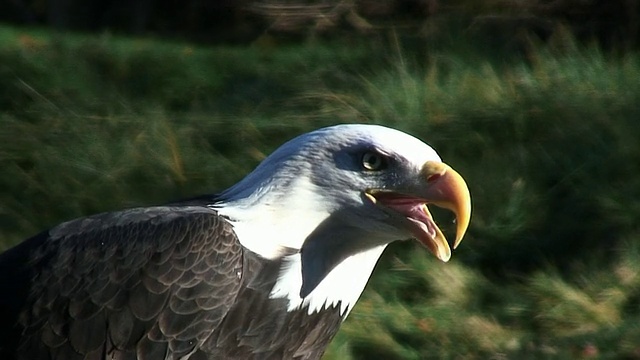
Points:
x=441, y=186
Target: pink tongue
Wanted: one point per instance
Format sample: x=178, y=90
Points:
x=414, y=211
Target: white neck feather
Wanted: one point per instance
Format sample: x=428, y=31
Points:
x=270, y=230
x=266, y=227
x=344, y=284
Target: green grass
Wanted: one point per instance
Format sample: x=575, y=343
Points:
x=548, y=144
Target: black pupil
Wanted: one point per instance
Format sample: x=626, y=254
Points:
x=372, y=161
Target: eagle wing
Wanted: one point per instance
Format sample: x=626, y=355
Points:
x=140, y=283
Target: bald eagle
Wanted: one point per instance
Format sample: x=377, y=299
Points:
x=267, y=269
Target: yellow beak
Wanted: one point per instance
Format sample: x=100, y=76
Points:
x=447, y=189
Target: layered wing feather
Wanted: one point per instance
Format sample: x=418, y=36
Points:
x=149, y=283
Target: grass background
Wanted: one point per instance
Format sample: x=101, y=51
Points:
x=548, y=140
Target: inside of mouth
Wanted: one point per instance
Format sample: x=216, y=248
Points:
x=423, y=227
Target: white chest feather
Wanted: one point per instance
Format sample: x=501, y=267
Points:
x=343, y=285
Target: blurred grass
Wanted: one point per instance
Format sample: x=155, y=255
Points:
x=548, y=143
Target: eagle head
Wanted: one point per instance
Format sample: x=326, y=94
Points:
x=328, y=202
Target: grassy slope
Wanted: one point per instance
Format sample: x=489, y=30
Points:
x=549, y=147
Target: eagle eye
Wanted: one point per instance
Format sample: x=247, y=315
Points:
x=373, y=161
